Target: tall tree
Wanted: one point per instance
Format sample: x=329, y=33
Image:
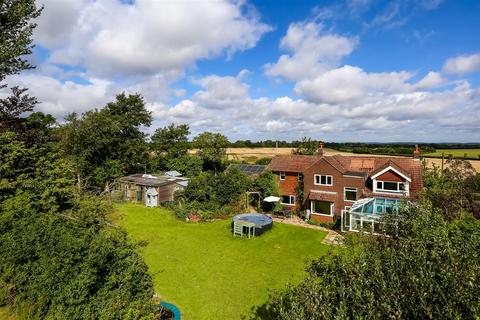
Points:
x=212, y=148
x=108, y=142
x=454, y=190
x=16, y=21
x=307, y=147
x=169, y=143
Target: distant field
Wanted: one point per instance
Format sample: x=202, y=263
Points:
x=253, y=154
x=456, y=153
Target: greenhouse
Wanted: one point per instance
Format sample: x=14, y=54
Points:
x=365, y=215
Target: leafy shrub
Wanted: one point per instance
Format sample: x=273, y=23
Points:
x=69, y=265
x=263, y=161
x=431, y=271
x=212, y=196
x=328, y=225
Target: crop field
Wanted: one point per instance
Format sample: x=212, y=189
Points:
x=456, y=153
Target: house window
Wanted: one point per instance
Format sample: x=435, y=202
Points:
x=323, y=180
x=300, y=177
x=322, y=207
x=390, y=186
x=282, y=175
x=350, y=194
x=288, y=200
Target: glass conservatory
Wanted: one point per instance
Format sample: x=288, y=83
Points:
x=365, y=215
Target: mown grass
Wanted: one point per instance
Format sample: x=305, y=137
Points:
x=208, y=273
x=456, y=153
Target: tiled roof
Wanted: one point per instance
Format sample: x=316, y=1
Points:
x=322, y=196
x=292, y=163
x=370, y=165
x=354, y=165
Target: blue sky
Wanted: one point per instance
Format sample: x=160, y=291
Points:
x=353, y=70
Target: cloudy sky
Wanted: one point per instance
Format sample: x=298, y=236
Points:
x=358, y=70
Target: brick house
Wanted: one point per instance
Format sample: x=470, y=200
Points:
x=331, y=184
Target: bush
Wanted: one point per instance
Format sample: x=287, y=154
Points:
x=328, y=225
x=212, y=196
x=263, y=161
x=69, y=265
x=430, y=272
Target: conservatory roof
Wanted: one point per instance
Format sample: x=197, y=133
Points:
x=375, y=206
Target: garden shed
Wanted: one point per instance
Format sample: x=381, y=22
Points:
x=149, y=189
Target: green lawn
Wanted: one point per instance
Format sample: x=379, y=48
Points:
x=456, y=153
x=208, y=273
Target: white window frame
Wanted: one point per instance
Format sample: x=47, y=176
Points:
x=282, y=174
x=292, y=200
x=345, y=193
x=399, y=190
x=332, y=209
x=320, y=180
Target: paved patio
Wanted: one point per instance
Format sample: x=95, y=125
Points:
x=332, y=238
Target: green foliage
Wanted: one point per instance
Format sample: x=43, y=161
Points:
x=16, y=19
x=212, y=148
x=431, y=271
x=169, y=143
x=59, y=259
x=212, y=195
x=69, y=265
x=306, y=147
x=190, y=166
x=263, y=161
x=453, y=190
x=111, y=136
x=37, y=170
x=267, y=184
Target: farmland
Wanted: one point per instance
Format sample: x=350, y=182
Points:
x=456, y=153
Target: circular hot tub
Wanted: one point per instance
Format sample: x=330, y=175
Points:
x=262, y=222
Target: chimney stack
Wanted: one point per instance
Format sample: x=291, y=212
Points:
x=320, y=149
x=416, y=152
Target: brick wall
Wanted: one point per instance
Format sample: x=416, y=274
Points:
x=288, y=186
x=390, y=176
x=340, y=181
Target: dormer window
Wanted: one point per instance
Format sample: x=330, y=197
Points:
x=390, y=186
x=391, y=180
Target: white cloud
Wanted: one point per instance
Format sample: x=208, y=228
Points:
x=431, y=80
x=60, y=98
x=222, y=92
x=348, y=83
x=430, y=4
x=147, y=37
x=462, y=64
x=312, y=51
